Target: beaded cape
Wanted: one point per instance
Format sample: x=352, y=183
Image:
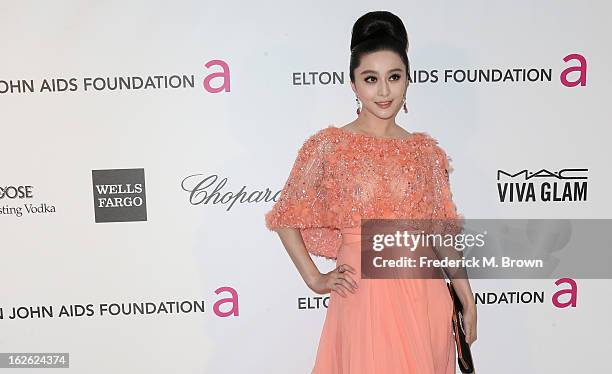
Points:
x=340, y=177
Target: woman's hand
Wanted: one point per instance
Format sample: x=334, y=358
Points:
x=337, y=280
x=469, y=323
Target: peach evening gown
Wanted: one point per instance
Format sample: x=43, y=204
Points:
x=339, y=177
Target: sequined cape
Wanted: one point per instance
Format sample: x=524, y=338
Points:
x=340, y=177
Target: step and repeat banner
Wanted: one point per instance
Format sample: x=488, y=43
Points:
x=142, y=143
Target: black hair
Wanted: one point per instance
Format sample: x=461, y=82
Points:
x=378, y=31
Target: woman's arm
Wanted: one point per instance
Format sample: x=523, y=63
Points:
x=336, y=280
x=294, y=244
x=464, y=291
x=461, y=283
x=470, y=316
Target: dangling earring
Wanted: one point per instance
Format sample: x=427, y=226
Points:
x=405, y=108
x=358, y=106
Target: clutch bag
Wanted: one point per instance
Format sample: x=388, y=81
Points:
x=464, y=354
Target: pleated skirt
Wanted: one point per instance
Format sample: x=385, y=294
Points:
x=387, y=326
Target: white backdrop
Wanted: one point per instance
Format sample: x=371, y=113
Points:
x=189, y=249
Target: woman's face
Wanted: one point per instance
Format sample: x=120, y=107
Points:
x=380, y=83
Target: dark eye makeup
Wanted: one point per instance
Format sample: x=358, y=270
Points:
x=395, y=76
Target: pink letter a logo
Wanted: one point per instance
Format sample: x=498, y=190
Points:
x=573, y=292
x=581, y=69
x=224, y=75
x=232, y=301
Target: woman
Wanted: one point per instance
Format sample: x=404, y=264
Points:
x=372, y=168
